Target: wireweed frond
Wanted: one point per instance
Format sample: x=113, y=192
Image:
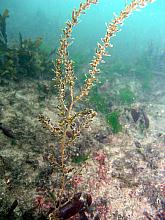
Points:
x=112, y=28
x=70, y=122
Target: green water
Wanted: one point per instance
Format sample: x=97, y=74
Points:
x=124, y=144
x=35, y=18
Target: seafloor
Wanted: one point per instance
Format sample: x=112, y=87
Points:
x=125, y=172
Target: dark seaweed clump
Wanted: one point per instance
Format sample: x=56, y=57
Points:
x=25, y=59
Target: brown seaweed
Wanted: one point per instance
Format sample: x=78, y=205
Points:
x=135, y=114
x=3, y=34
x=7, y=131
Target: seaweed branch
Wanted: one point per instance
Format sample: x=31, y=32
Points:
x=64, y=73
x=112, y=28
x=65, y=79
x=70, y=123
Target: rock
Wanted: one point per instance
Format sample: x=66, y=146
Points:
x=101, y=136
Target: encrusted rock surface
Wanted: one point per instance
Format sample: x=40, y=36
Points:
x=132, y=176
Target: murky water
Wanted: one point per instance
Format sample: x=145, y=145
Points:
x=101, y=153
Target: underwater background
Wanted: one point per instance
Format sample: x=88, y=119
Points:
x=47, y=18
x=117, y=162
